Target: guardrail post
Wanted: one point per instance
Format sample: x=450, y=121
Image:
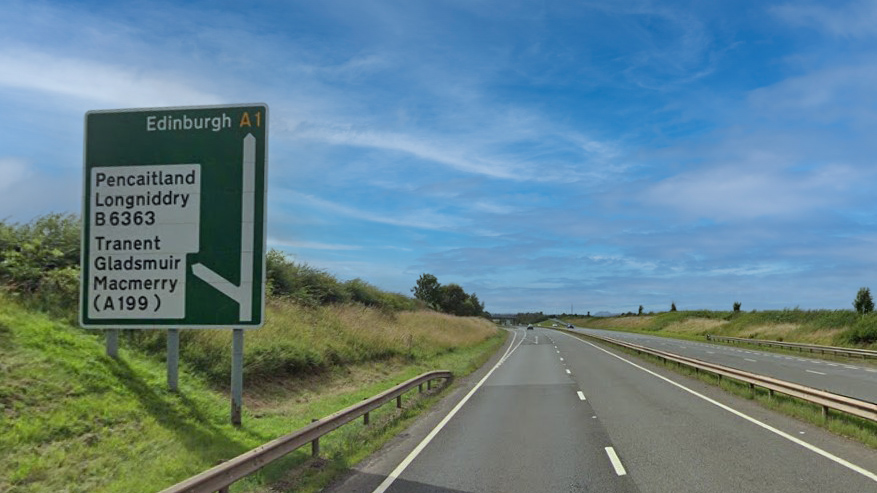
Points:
x=315, y=445
x=420, y=388
x=429, y=385
x=399, y=402
x=365, y=419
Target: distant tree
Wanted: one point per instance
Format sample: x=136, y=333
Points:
x=640, y=312
x=428, y=290
x=737, y=306
x=672, y=306
x=863, y=302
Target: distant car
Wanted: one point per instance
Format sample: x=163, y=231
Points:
x=569, y=326
x=529, y=327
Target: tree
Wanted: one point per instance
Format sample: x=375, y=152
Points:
x=737, y=306
x=640, y=312
x=428, y=290
x=672, y=306
x=863, y=302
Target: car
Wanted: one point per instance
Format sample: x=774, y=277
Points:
x=569, y=326
x=530, y=327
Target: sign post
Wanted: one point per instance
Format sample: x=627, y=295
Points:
x=174, y=219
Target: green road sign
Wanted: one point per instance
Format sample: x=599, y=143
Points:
x=173, y=217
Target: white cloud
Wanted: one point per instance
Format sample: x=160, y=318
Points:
x=858, y=19
x=310, y=245
x=740, y=192
x=12, y=172
x=115, y=85
x=422, y=218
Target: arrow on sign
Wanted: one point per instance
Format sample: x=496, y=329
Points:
x=242, y=294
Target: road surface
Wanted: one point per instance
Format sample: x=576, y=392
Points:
x=557, y=414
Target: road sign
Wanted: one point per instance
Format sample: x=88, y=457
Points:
x=174, y=217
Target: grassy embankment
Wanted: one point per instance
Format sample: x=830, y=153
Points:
x=824, y=327
x=73, y=419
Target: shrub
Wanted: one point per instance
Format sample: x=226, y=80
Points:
x=864, y=331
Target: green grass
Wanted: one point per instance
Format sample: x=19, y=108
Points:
x=825, y=327
x=73, y=419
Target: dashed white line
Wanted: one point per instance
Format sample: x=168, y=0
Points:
x=561, y=359
x=752, y=360
x=616, y=462
x=581, y=395
x=849, y=465
x=816, y=372
x=568, y=372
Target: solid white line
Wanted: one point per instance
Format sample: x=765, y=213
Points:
x=581, y=396
x=849, y=465
x=816, y=372
x=616, y=462
x=419, y=448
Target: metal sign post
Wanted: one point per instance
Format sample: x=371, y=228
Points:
x=174, y=220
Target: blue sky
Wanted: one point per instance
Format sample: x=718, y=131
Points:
x=546, y=155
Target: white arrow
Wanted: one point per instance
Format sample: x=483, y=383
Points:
x=242, y=294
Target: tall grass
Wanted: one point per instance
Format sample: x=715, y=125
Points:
x=299, y=340
x=831, y=327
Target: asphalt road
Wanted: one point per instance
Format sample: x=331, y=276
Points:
x=560, y=414
x=849, y=379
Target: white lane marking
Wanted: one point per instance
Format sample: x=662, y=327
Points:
x=710, y=352
x=568, y=372
x=752, y=360
x=816, y=372
x=419, y=448
x=616, y=462
x=581, y=395
x=561, y=359
x=831, y=364
x=537, y=339
x=849, y=465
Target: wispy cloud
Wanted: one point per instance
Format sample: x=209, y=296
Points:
x=856, y=19
x=114, y=85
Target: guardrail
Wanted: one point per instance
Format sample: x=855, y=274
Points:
x=220, y=477
x=842, y=351
x=827, y=400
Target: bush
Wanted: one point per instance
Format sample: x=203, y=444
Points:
x=864, y=331
x=40, y=261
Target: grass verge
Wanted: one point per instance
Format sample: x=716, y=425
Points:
x=73, y=419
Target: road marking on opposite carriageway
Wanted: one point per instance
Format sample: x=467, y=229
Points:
x=828, y=455
x=422, y=445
